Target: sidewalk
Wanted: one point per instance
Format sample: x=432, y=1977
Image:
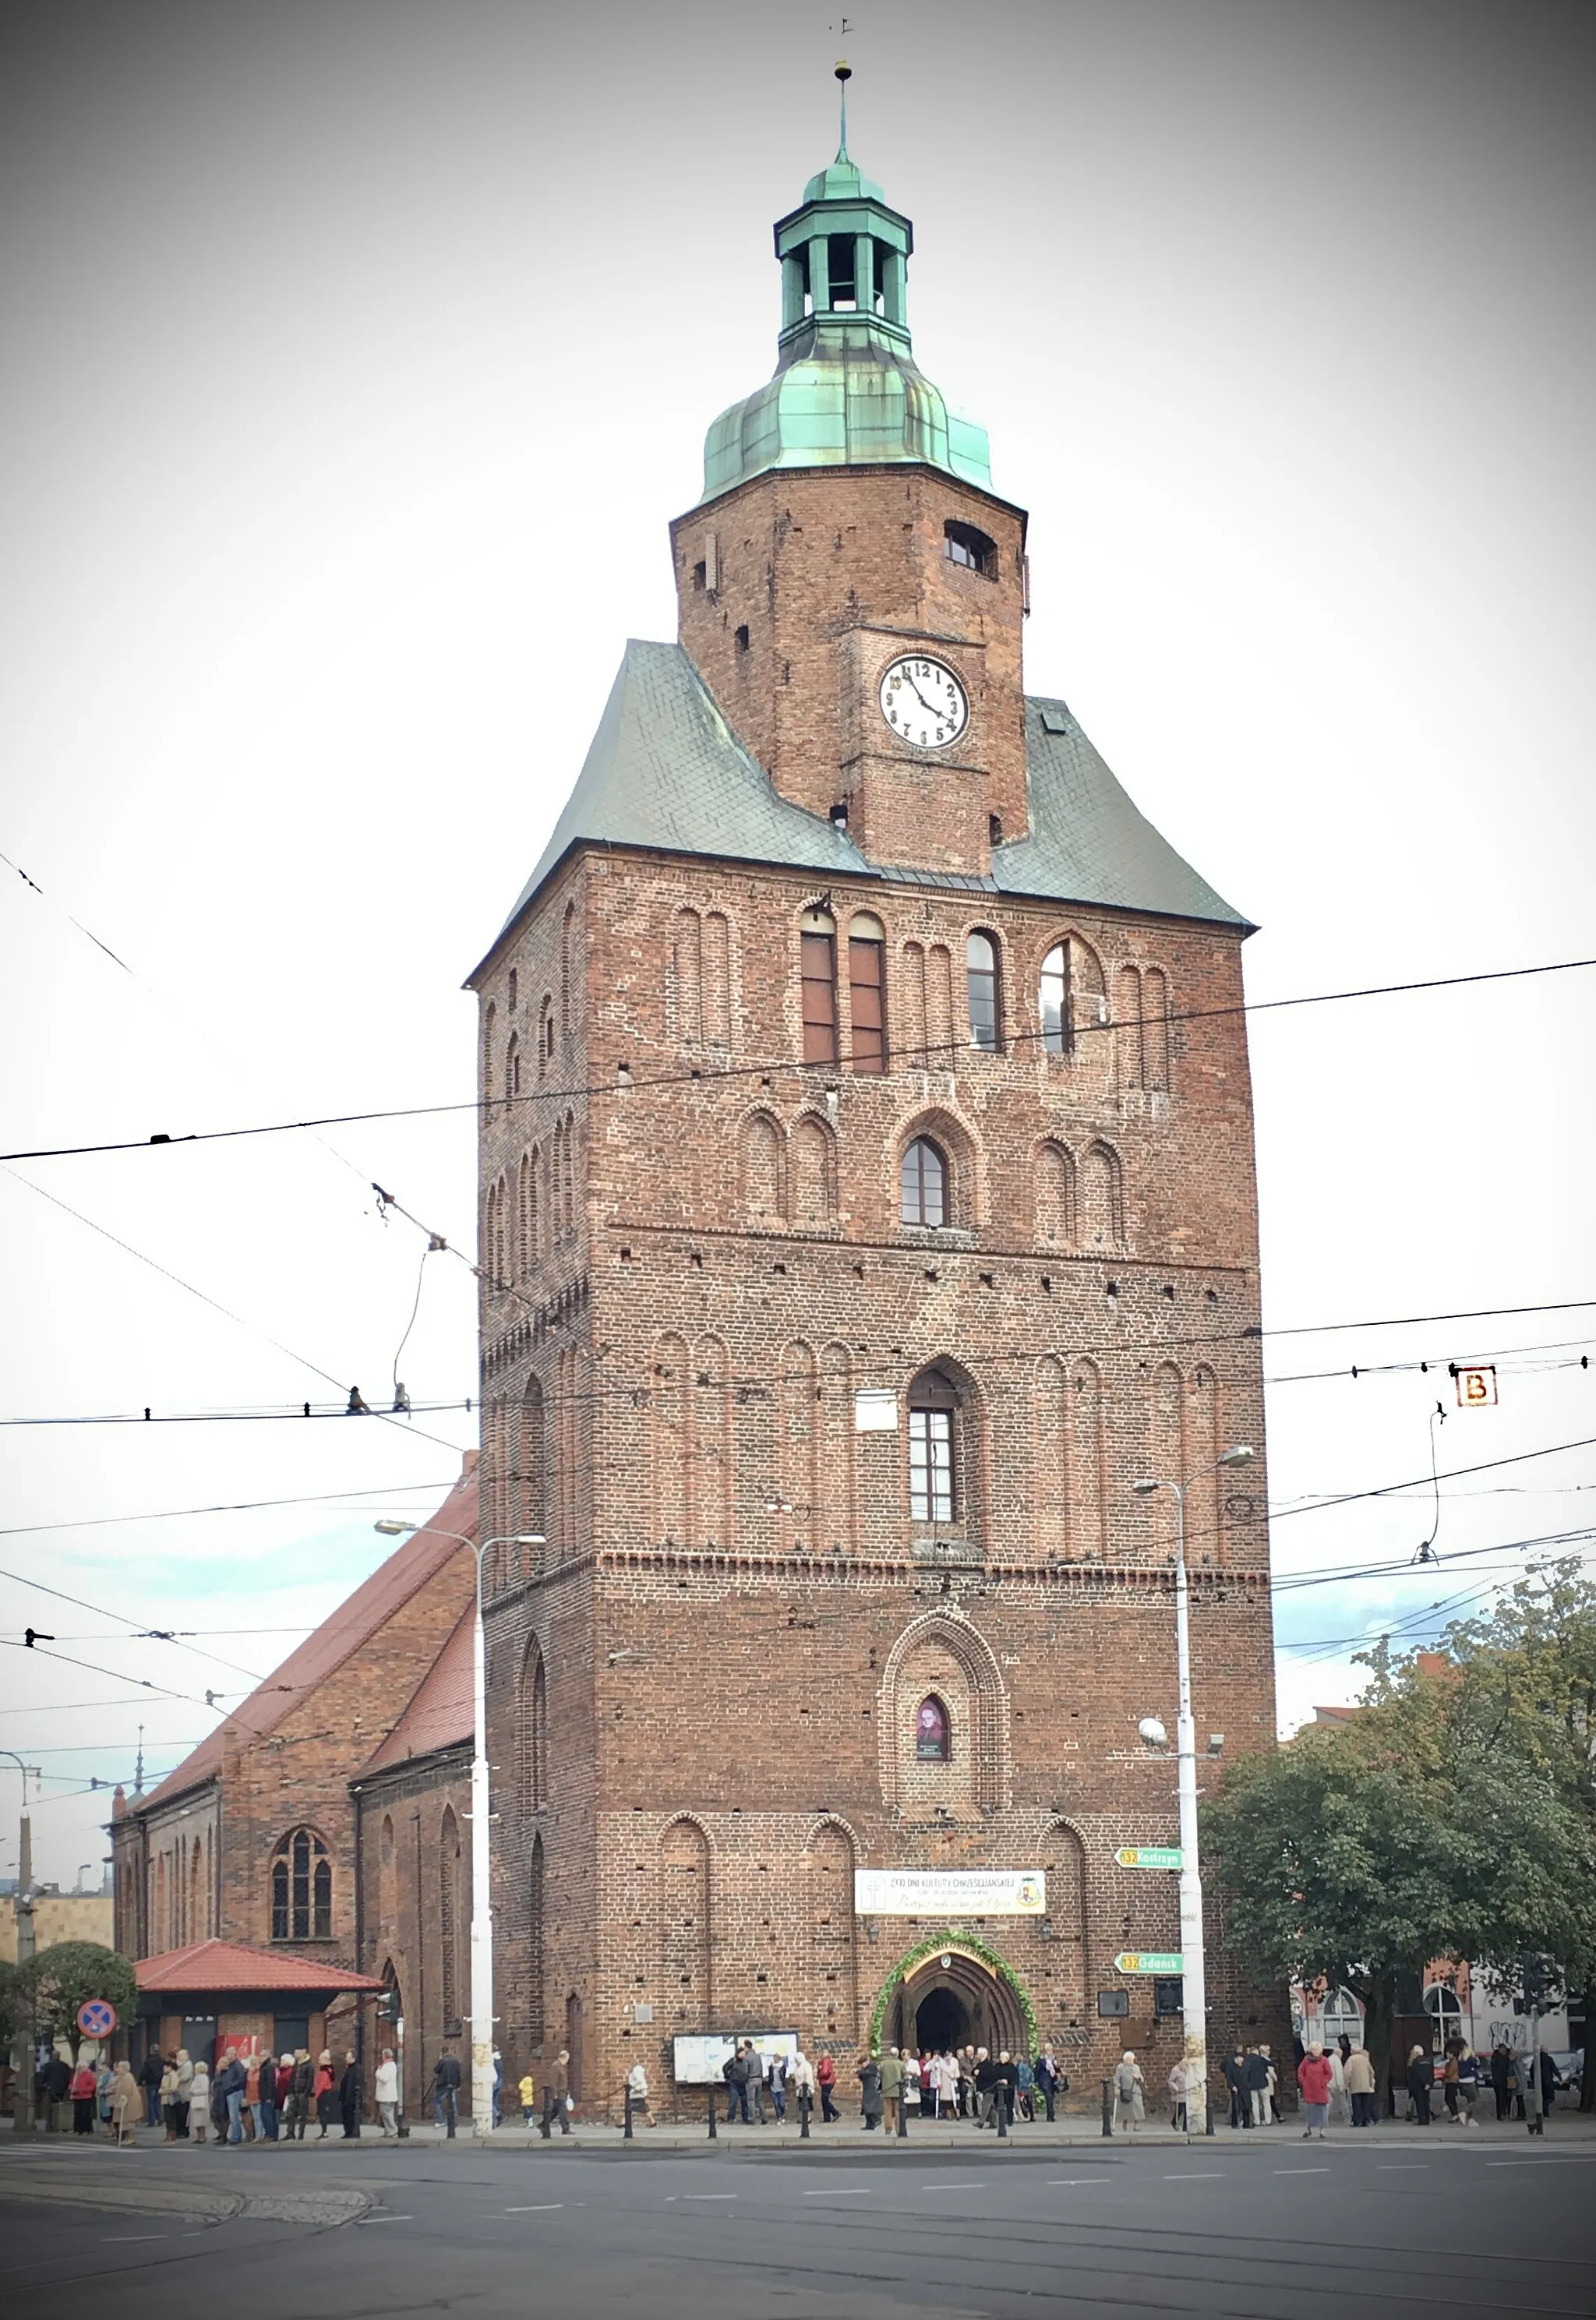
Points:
x=846, y=2141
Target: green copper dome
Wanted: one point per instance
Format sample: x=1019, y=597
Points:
x=846, y=392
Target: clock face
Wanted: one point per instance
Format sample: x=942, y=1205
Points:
x=923, y=701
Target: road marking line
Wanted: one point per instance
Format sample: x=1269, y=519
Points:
x=364, y=2220
x=1298, y=2171
x=1562, y=2159
x=132, y=2239
x=1057, y=2182
x=976, y=2184
x=836, y=2192
x=708, y=2195
x=1204, y=2178
x=1401, y=2166
x=547, y=2208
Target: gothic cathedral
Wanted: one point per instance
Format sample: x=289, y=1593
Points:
x=868, y=1204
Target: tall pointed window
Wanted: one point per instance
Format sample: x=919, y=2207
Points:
x=981, y=971
x=923, y=1184
x=867, y=992
x=817, y=939
x=1058, y=1030
x=301, y=1888
x=932, y=1480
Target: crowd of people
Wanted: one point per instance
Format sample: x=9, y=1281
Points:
x=251, y=2098
x=965, y=2082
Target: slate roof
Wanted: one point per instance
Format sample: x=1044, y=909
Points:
x=665, y=772
x=338, y=1638
x=230, y=1965
x=443, y=1712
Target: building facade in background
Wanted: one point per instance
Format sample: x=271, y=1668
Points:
x=867, y=1202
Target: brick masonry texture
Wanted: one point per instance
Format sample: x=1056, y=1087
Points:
x=704, y=1684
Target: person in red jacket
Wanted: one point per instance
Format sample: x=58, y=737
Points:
x=1313, y=2077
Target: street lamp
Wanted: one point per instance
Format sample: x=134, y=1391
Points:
x=1193, y=1988
x=482, y=1914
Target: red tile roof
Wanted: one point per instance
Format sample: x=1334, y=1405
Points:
x=352, y=1625
x=443, y=1712
x=228, y=1965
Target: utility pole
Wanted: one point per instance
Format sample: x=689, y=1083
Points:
x=482, y=1913
x=22, y=2045
x=1194, y=1966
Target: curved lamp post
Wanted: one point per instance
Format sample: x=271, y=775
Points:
x=1193, y=1983
x=482, y=1915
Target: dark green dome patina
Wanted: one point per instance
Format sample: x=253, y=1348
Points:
x=847, y=391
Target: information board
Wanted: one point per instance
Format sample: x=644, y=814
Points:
x=699, y=2061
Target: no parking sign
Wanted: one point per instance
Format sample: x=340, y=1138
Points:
x=96, y=2019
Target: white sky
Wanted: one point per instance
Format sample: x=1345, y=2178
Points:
x=357, y=360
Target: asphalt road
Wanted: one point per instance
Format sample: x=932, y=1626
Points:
x=1287, y=2231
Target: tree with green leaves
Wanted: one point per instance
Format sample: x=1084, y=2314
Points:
x=1431, y=1825
x=55, y=1982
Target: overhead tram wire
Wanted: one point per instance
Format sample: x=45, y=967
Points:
x=1057, y=1348
x=226, y=1507
x=252, y=1328
x=706, y=1079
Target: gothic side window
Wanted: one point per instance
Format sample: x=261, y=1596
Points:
x=933, y=1743
x=867, y=992
x=923, y=1184
x=1058, y=1032
x=301, y=1890
x=932, y=1405
x=981, y=969
x=817, y=969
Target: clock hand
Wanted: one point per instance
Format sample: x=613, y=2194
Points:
x=924, y=703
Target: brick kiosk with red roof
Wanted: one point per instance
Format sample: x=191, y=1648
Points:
x=218, y=1995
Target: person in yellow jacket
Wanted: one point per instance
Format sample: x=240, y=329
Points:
x=529, y=2098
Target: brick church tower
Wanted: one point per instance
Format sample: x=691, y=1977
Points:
x=868, y=1204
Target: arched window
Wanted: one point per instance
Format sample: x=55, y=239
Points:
x=933, y=1479
x=933, y=1737
x=963, y=544
x=816, y=968
x=545, y=1035
x=512, y=1066
x=922, y=1183
x=867, y=992
x=1058, y=1030
x=488, y=1022
x=1341, y=2016
x=1442, y=2004
x=301, y=1888
x=981, y=976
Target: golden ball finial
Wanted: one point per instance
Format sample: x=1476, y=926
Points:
x=844, y=70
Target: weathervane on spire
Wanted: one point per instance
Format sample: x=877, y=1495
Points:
x=845, y=73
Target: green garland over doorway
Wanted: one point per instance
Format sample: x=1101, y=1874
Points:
x=957, y=1937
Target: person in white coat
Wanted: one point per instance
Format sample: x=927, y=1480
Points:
x=637, y=2087
x=386, y=2092
x=1128, y=2105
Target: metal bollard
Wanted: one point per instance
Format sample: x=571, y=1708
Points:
x=712, y=2132
x=1108, y=2106
x=1002, y=2110
x=803, y=2115
x=546, y=2124
x=903, y=2115
x=626, y=2133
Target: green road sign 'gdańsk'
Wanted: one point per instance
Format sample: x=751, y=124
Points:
x=1150, y=1961
x=1148, y=1856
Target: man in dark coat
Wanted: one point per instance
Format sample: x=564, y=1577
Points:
x=1502, y=2071
x=1236, y=2079
x=149, y=2078
x=869, y=2077
x=229, y=2093
x=58, y=2077
x=446, y=2091
x=352, y=2095
x=1256, y=2067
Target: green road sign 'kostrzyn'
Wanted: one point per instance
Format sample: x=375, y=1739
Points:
x=1150, y=1961
x=1148, y=1856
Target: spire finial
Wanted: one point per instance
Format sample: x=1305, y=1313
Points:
x=845, y=73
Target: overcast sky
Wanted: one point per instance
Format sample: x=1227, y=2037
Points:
x=356, y=357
